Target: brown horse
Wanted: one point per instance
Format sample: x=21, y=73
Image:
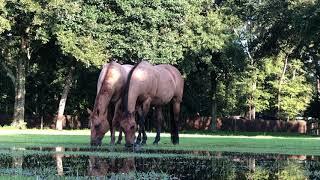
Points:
x=151, y=85
x=110, y=88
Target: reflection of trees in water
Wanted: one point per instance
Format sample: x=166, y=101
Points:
x=185, y=168
x=17, y=160
x=313, y=167
x=278, y=167
x=209, y=165
x=59, y=156
x=284, y=170
x=292, y=170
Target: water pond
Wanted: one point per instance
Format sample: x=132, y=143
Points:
x=44, y=162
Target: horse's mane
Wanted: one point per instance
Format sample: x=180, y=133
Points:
x=101, y=87
x=126, y=89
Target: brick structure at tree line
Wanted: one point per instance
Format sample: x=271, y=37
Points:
x=241, y=124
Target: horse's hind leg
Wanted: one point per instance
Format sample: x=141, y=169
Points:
x=144, y=137
x=141, y=131
x=159, y=119
x=140, y=123
x=174, y=122
x=142, y=112
x=120, y=136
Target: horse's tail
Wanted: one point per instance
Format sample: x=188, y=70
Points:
x=126, y=89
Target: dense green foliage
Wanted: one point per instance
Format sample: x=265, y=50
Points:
x=237, y=57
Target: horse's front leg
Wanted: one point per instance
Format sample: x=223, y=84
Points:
x=112, y=135
x=115, y=122
x=159, y=119
x=140, y=123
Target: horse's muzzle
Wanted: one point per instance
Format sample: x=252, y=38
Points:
x=128, y=145
x=96, y=142
x=133, y=147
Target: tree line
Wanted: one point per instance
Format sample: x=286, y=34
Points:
x=238, y=57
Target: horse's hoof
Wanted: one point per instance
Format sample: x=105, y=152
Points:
x=129, y=145
x=175, y=140
x=143, y=143
x=136, y=148
x=155, y=143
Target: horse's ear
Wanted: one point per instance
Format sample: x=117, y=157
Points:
x=89, y=111
x=89, y=124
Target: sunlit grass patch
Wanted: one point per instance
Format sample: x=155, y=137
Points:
x=282, y=145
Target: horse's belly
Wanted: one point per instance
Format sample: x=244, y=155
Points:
x=157, y=101
x=162, y=99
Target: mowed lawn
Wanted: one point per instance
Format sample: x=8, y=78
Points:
x=251, y=143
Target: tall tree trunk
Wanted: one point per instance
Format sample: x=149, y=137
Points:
x=213, y=77
x=280, y=84
x=252, y=108
x=20, y=83
x=63, y=100
x=318, y=88
x=18, y=115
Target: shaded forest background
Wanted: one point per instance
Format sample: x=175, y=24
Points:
x=253, y=58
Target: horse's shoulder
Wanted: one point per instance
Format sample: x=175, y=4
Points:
x=144, y=63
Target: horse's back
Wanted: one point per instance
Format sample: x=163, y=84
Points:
x=170, y=73
x=160, y=82
x=127, y=68
x=112, y=79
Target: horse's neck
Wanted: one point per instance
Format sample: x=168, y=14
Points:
x=132, y=100
x=102, y=102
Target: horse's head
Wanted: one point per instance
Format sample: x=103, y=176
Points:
x=129, y=126
x=99, y=126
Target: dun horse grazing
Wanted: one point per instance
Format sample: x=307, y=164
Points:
x=151, y=85
x=110, y=88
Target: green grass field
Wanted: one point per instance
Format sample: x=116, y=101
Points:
x=227, y=142
x=33, y=154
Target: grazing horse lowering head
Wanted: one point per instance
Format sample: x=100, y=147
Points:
x=129, y=125
x=99, y=126
x=110, y=87
x=151, y=85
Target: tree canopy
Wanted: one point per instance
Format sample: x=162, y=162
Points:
x=237, y=57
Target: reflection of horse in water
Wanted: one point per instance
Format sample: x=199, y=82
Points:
x=102, y=167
